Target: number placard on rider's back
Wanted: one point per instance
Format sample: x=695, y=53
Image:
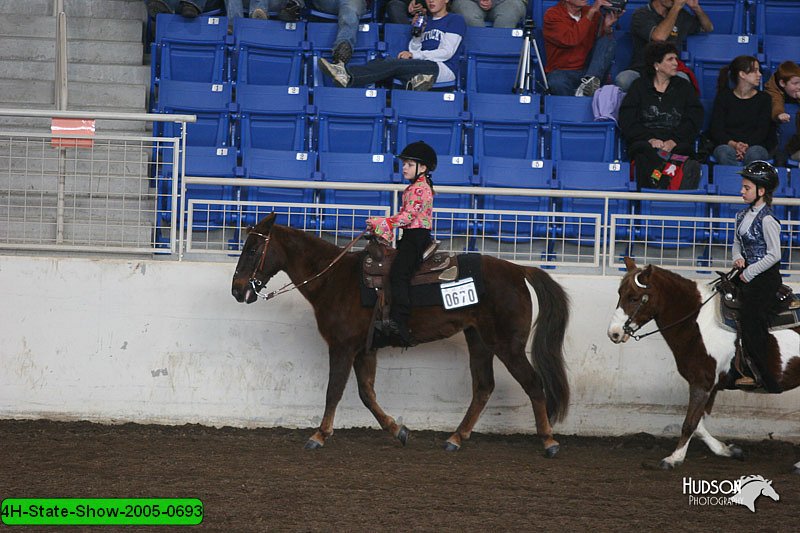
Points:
x=460, y=293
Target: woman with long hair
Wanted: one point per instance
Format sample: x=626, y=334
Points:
x=740, y=123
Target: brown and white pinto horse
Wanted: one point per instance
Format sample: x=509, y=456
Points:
x=702, y=348
x=500, y=324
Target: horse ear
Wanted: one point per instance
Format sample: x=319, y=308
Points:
x=630, y=264
x=265, y=224
x=644, y=275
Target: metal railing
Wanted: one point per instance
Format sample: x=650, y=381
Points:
x=574, y=241
x=90, y=193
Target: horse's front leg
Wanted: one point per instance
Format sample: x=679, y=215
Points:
x=698, y=398
x=340, y=361
x=716, y=446
x=364, y=366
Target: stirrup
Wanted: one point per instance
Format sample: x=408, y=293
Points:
x=430, y=250
x=746, y=382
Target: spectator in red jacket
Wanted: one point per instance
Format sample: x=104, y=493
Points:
x=579, y=45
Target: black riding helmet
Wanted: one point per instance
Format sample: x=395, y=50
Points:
x=762, y=174
x=421, y=152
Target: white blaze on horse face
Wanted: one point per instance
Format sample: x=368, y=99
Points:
x=719, y=342
x=615, y=330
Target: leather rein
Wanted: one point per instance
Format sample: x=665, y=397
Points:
x=628, y=330
x=257, y=284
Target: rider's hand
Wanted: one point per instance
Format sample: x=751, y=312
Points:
x=739, y=263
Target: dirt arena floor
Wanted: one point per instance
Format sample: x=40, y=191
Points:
x=363, y=480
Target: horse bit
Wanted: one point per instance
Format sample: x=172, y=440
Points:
x=628, y=330
x=257, y=284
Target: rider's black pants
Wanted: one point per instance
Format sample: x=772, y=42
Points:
x=409, y=256
x=758, y=299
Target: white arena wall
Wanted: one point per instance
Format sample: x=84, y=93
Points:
x=161, y=341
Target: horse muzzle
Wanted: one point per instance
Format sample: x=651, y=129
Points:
x=617, y=335
x=244, y=293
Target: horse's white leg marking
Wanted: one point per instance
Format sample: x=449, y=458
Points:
x=678, y=455
x=716, y=446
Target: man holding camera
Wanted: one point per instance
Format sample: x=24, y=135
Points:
x=579, y=45
x=662, y=21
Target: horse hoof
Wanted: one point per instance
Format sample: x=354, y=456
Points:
x=737, y=453
x=403, y=434
x=450, y=447
x=552, y=451
x=666, y=465
x=311, y=444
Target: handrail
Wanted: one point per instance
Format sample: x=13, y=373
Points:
x=102, y=115
x=496, y=191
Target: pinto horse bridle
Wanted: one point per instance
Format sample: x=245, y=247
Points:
x=628, y=330
x=257, y=284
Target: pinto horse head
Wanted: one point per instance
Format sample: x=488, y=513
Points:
x=257, y=262
x=637, y=302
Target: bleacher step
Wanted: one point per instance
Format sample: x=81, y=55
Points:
x=80, y=28
x=91, y=96
x=78, y=51
x=129, y=9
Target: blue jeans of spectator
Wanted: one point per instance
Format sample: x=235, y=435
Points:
x=566, y=82
x=348, y=11
x=386, y=69
x=503, y=14
x=236, y=8
x=725, y=155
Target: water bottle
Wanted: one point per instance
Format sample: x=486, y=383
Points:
x=418, y=24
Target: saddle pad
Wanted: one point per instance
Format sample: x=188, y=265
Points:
x=469, y=266
x=785, y=320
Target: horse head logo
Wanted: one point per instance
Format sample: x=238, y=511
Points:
x=751, y=488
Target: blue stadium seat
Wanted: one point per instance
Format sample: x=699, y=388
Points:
x=777, y=17
x=623, y=53
x=538, y=9
x=434, y=117
x=190, y=49
x=728, y=16
x=281, y=165
x=195, y=96
x=273, y=117
x=360, y=168
x=492, y=58
x=269, y=52
x=707, y=53
x=787, y=129
x=350, y=120
x=456, y=171
x=574, y=134
x=675, y=233
x=321, y=36
x=369, y=15
x=395, y=40
x=505, y=125
x=592, y=176
x=515, y=173
x=780, y=48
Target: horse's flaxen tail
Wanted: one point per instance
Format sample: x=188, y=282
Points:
x=547, y=345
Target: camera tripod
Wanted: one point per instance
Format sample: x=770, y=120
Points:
x=524, y=80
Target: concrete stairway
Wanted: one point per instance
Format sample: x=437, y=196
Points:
x=105, y=73
x=104, y=52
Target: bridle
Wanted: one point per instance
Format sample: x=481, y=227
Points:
x=257, y=284
x=628, y=330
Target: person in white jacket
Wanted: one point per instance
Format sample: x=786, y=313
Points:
x=431, y=58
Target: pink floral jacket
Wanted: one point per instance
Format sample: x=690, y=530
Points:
x=416, y=212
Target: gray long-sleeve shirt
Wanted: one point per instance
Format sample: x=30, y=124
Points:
x=772, y=235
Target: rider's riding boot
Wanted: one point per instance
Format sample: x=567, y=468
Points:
x=399, y=329
x=746, y=382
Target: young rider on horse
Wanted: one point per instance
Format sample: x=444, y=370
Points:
x=416, y=218
x=757, y=252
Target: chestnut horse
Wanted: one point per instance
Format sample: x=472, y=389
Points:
x=687, y=316
x=499, y=324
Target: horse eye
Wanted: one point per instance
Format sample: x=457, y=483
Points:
x=633, y=299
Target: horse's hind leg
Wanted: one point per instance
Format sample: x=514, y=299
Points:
x=341, y=361
x=522, y=370
x=480, y=366
x=364, y=366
